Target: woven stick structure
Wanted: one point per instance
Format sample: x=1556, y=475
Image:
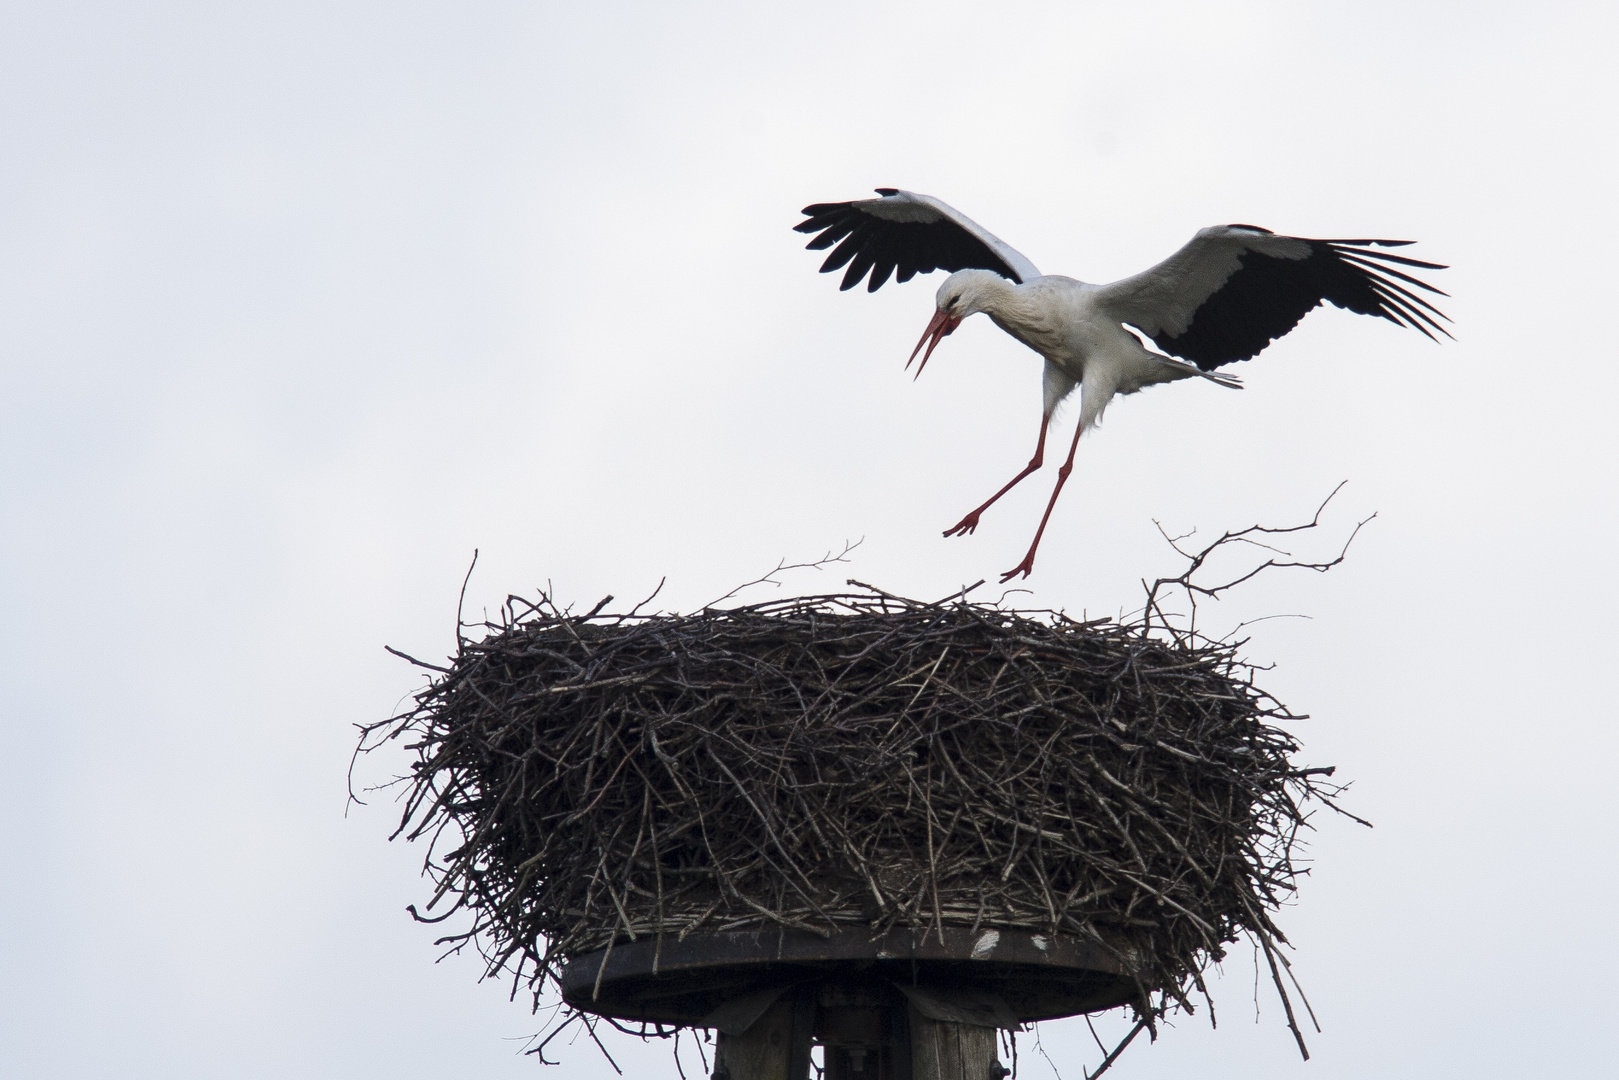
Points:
x=853, y=760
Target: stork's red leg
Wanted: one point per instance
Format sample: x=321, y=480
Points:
x=1027, y=565
x=970, y=522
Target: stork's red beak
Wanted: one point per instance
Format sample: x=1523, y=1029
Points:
x=943, y=325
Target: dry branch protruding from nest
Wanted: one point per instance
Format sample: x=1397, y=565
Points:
x=852, y=760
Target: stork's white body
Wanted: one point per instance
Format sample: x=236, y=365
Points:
x=1221, y=298
x=1068, y=323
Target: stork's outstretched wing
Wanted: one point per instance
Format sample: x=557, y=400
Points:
x=1236, y=288
x=908, y=233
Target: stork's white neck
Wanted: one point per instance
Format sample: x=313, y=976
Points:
x=1032, y=312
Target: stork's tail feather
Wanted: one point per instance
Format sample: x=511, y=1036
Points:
x=1186, y=371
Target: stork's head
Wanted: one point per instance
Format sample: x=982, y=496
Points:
x=963, y=293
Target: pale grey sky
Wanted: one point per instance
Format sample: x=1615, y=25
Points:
x=301, y=303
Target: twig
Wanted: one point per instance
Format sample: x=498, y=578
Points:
x=1107, y=1062
x=781, y=567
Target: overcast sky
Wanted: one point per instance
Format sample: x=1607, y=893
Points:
x=301, y=303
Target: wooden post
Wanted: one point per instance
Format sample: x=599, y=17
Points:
x=941, y=1050
x=762, y=1051
x=776, y=1047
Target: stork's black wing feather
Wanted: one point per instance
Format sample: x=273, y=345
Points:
x=901, y=235
x=1234, y=289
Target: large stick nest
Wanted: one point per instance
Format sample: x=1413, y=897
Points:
x=852, y=760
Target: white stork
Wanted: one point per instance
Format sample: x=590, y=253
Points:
x=1232, y=290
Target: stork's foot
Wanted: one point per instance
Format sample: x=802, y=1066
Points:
x=1026, y=567
x=965, y=525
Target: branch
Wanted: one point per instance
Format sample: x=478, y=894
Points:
x=783, y=566
x=1153, y=610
